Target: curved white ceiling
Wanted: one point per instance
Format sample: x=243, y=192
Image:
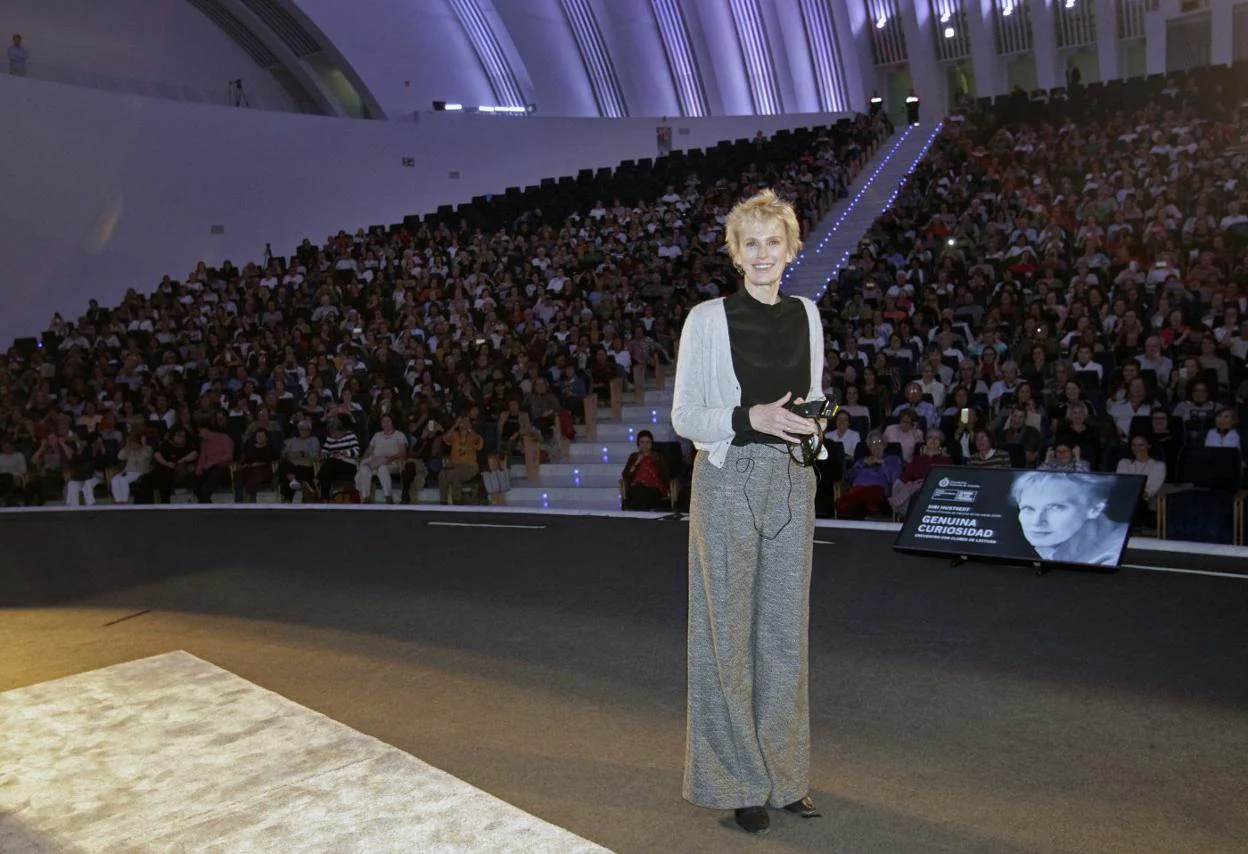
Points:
x=588, y=57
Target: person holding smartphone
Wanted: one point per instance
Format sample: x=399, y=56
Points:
x=743, y=360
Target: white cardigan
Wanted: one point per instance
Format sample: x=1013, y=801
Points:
x=707, y=390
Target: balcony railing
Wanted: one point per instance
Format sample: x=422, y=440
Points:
x=222, y=97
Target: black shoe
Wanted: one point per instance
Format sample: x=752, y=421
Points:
x=752, y=819
x=805, y=808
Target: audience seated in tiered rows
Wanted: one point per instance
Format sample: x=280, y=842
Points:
x=437, y=349
x=1061, y=286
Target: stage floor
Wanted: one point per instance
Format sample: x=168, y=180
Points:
x=976, y=709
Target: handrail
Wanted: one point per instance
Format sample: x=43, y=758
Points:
x=85, y=78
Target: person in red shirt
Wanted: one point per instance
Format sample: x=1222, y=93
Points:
x=212, y=468
x=644, y=482
x=931, y=455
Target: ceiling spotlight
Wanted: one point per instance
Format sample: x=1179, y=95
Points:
x=1008, y=9
x=944, y=18
x=881, y=22
x=949, y=32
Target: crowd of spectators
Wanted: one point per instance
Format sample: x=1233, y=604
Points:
x=1065, y=290
x=386, y=358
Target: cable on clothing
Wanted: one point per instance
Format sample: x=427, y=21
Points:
x=746, y=466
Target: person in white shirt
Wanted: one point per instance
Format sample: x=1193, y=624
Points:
x=1223, y=433
x=1137, y=403
x=1154, y=360
x=136, y=454
x=1233, y=216
x=1008, y=384
x=932, y=385
x=848, y=438
x=1154, y=471
x=1083, y=362
x=385, y=456
x=1239, y=344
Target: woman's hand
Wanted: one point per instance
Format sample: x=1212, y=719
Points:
x=774, y=420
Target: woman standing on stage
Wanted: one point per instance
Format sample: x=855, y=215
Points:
x=752, y=513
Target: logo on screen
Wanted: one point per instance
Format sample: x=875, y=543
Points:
x=959, y=496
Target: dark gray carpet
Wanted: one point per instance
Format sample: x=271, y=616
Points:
x=963, y=710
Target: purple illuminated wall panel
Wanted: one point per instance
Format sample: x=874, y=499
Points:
x=674, y=32
x=756, y=50
x=596, y=57
x=500, y=73
x=824, y=53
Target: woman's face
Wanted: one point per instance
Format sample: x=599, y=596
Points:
x=1140, y=447
x=982, y=443
x=851, y=396
x=1052, y=510
x=762, y=252
x=875, y=446
x=842, y=421
x=1073, y=390
x=931, y=446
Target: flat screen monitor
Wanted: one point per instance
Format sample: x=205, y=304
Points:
x=1026, y=516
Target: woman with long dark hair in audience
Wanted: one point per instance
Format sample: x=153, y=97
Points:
x=853, y=406
x=1077, y=429
x=876, y=396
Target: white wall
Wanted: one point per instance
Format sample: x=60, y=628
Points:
x=104, y=192
x=165, y=42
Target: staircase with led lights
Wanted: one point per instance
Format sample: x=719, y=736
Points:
x=836, y=237
x=588, y=479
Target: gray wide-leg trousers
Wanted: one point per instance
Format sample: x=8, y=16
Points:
x=748, y=727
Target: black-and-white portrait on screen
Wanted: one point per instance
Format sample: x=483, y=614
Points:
x=1069, y=517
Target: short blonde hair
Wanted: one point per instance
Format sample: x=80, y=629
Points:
x=763, y=207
